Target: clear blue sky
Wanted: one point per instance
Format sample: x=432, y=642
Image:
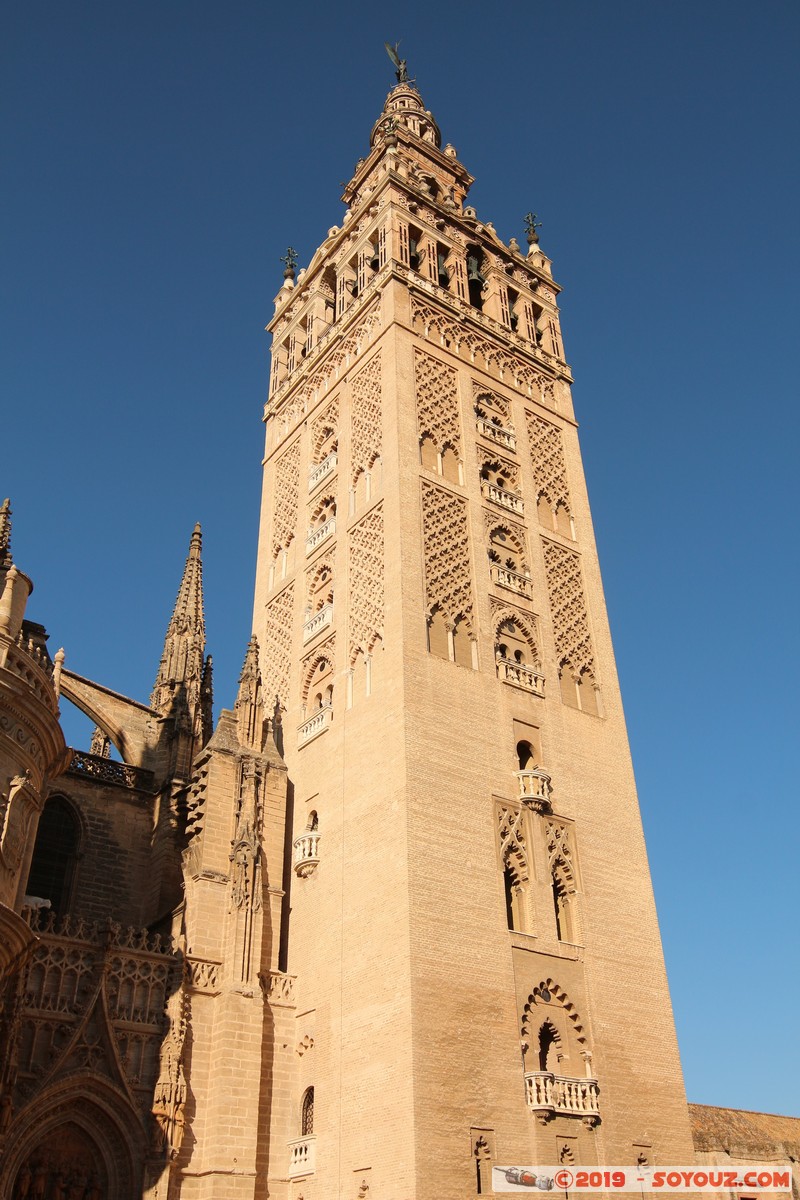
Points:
x=159, y=157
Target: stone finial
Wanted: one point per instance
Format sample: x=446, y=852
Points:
x=289, y=260
x=58, y=667
x=5, y=533
x=531, y=225
x=207, y=699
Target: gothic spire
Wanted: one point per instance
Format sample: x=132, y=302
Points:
x=180, y=672
x=5, y=534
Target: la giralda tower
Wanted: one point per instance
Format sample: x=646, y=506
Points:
x=478, y=972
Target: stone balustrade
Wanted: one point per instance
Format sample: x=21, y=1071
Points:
x=316, y=724
x=317, y=536
x=320, y=620
x=322, y=470
x=108, y=770
x=520, y=676
x=498, y=495
x=306, y=852
x=302, y=1156
x=496, y=433
x=512, y=581
x=534, y=786
x=548, y=1094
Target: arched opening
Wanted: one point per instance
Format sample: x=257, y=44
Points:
x=511, y=644
x=549, y=1042
x=462, y=644
x=438, y=640
x=319, y=689
x=450, y=466
x=545, y=511
x=587, y=693
x=307, y=1113
x=515, y=885
x=569, y=688
x=55, y=854
x=563, y=903
x=563, y=521
x=526, y=756
x=428, y=453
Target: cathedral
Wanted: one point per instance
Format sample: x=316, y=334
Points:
x=388, y=924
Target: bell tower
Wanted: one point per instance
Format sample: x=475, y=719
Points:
x=478, y=970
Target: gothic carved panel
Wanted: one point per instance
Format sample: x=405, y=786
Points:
x=549, y=467
x=437, y=402
x=366, y=431
x=366, y=575
x=558, y=839
x=277, y=647
x=513, y=845
x=448, y=571
x=568, y=604
x=287, y=476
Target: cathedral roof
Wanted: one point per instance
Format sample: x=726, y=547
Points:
x=738, y=1131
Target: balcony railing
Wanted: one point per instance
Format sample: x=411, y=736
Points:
x=512, y=581
x=498, y=495
x=317, y=536
x=306, y=852
x=520, y=676
x=316, y=724
x=322, y=470
x=496, y=433
x=550, y=1094
x=320, y=620
x=534, y=786
x=302, y=1157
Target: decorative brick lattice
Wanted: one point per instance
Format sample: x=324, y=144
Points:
x=321, y=428
x=448, y=574
x=366, y=433
x=366, y=582
x=287, y=475
x=277, y=647
x=473, y=347
x=549, y=468
x=437, y=401
x=568, y=604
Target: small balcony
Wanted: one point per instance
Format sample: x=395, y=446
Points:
x=518, y=675
x=306, y=852
x=512, y=581
x=496, y=433
x=316, y=724
x=321, y=620
x=317, y=536
x=535, y=788
x=508, y=500
x=322, y=470
x=302, y=1156
x=548, y=1095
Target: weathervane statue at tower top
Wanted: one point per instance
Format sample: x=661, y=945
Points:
x=400, y=64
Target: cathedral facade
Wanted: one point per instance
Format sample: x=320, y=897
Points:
x=389, y=923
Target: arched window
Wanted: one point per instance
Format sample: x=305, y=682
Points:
x=526, y=756
x=55, y=854
x=549, y=1041
x=307, y=1113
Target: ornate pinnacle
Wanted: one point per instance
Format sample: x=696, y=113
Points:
x=249, y=706
x=184, y=645
x=5, y=533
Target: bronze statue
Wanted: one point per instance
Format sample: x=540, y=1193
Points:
x=400, y=64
